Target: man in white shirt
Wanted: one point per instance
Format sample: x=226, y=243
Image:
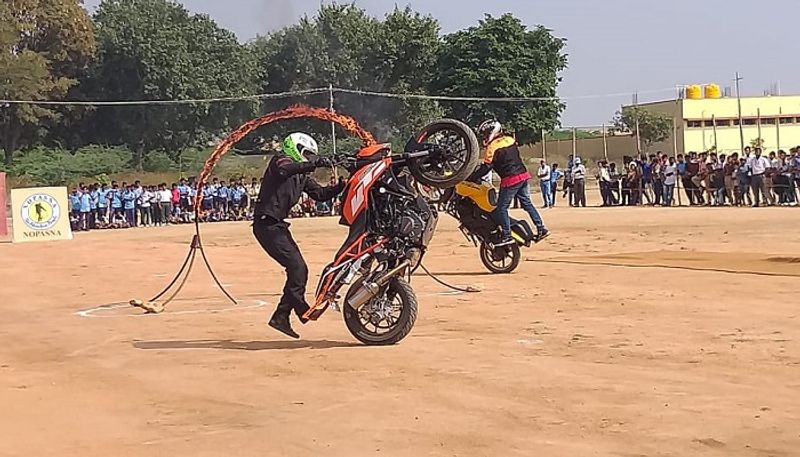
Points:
x=543, y=173
x=758, y=168
x=579, y=182
x=670, y=178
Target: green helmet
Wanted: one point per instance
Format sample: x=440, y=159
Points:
x=297, y=145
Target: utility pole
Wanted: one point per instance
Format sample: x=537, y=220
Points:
x=544, y=147
x=739, y=104
x=333, y=125
x=636, y=110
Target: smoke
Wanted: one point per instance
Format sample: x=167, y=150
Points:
x=276, y=14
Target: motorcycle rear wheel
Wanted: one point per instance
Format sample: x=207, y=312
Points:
x=455, y=158
x=398, y=289
x=507, y=264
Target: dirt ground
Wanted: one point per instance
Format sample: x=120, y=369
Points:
x=630, y=332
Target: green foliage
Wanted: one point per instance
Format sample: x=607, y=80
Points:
x=153, y=50
x=41, y=166
x=500, y=57
x=159, y=161
x=653, y=126
x=44, y=46
x=344, y=46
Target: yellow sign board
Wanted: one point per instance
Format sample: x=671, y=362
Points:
x=40, y=214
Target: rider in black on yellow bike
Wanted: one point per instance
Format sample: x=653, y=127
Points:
x=502, y=155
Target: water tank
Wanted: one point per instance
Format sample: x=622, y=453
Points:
x=694, y=92
x=713, y=91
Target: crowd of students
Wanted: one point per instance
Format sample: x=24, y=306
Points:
x=114, y=205
x=707, y=178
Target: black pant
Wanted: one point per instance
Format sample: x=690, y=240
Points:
x=580, y=192
x=275, y=238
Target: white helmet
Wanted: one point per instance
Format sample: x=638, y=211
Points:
x=297, y=145
x=489, y=130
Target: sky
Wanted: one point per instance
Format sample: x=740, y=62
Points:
x=614, y=46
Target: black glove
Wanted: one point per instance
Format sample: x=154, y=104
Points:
x=323, y=162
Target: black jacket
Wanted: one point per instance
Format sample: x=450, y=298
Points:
x=502, y=155
x=284, y=182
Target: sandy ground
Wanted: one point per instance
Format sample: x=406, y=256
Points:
x=630, y=332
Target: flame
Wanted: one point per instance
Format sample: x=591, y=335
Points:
x=293, y=112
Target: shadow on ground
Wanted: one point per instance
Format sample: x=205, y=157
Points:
x=244, y=345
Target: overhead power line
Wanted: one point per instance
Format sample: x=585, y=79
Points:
x=320, y=90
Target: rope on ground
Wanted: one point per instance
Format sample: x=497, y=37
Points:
x=468, y=289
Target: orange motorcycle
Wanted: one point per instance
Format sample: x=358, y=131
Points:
x=391, y=225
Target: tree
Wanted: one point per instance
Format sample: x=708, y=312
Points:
x=653, y=126
x=344, y=46
x=156, y=50
x=44, y=46
x=500, y=57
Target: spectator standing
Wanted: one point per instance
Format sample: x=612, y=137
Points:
x=770, y=175
x=729, y=177
x=614, y=174
x=718, y=180
x=579, y=182
x=785, y=181
x=129, y=205
x=165, y=200
x=634, y=180
x=794, y=167
x=568, y=183
x=118, y=212
x=544, y=174
x=670, y=179
x=555, y=175
x=759, y=165
x=103, y=203
x=85, y=208
x=658, y=179
x=183, y=192
x=224, y=194
x=75, y=206
x=647, y=178
x=176, y=200
x=604, y=181
x=237, y=195
x=94, y=194
x=138, y=190
x=252, y=192
x=144, y=207
x=743, y=183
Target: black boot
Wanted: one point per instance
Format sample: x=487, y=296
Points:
x=280, y=322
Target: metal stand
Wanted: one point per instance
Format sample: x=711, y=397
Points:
x=186, y=269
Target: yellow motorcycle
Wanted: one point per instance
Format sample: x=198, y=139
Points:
x=472, y=205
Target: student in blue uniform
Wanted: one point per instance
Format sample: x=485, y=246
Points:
x=129, y=205
x=75, y=208
x=102, y=203
x=85, y=209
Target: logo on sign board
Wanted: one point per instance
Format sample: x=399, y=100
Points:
x=40, y=211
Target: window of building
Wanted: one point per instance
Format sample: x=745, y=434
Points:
x=694, y=124
x=723, y=123
x=736, y=122
x=787, y=120
x=749, y=122
x=767, y=121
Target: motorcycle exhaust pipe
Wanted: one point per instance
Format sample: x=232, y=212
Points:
x=370, y=290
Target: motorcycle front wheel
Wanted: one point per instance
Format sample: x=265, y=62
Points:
x=453, y=157
x=502, y=260
x=387, y=318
